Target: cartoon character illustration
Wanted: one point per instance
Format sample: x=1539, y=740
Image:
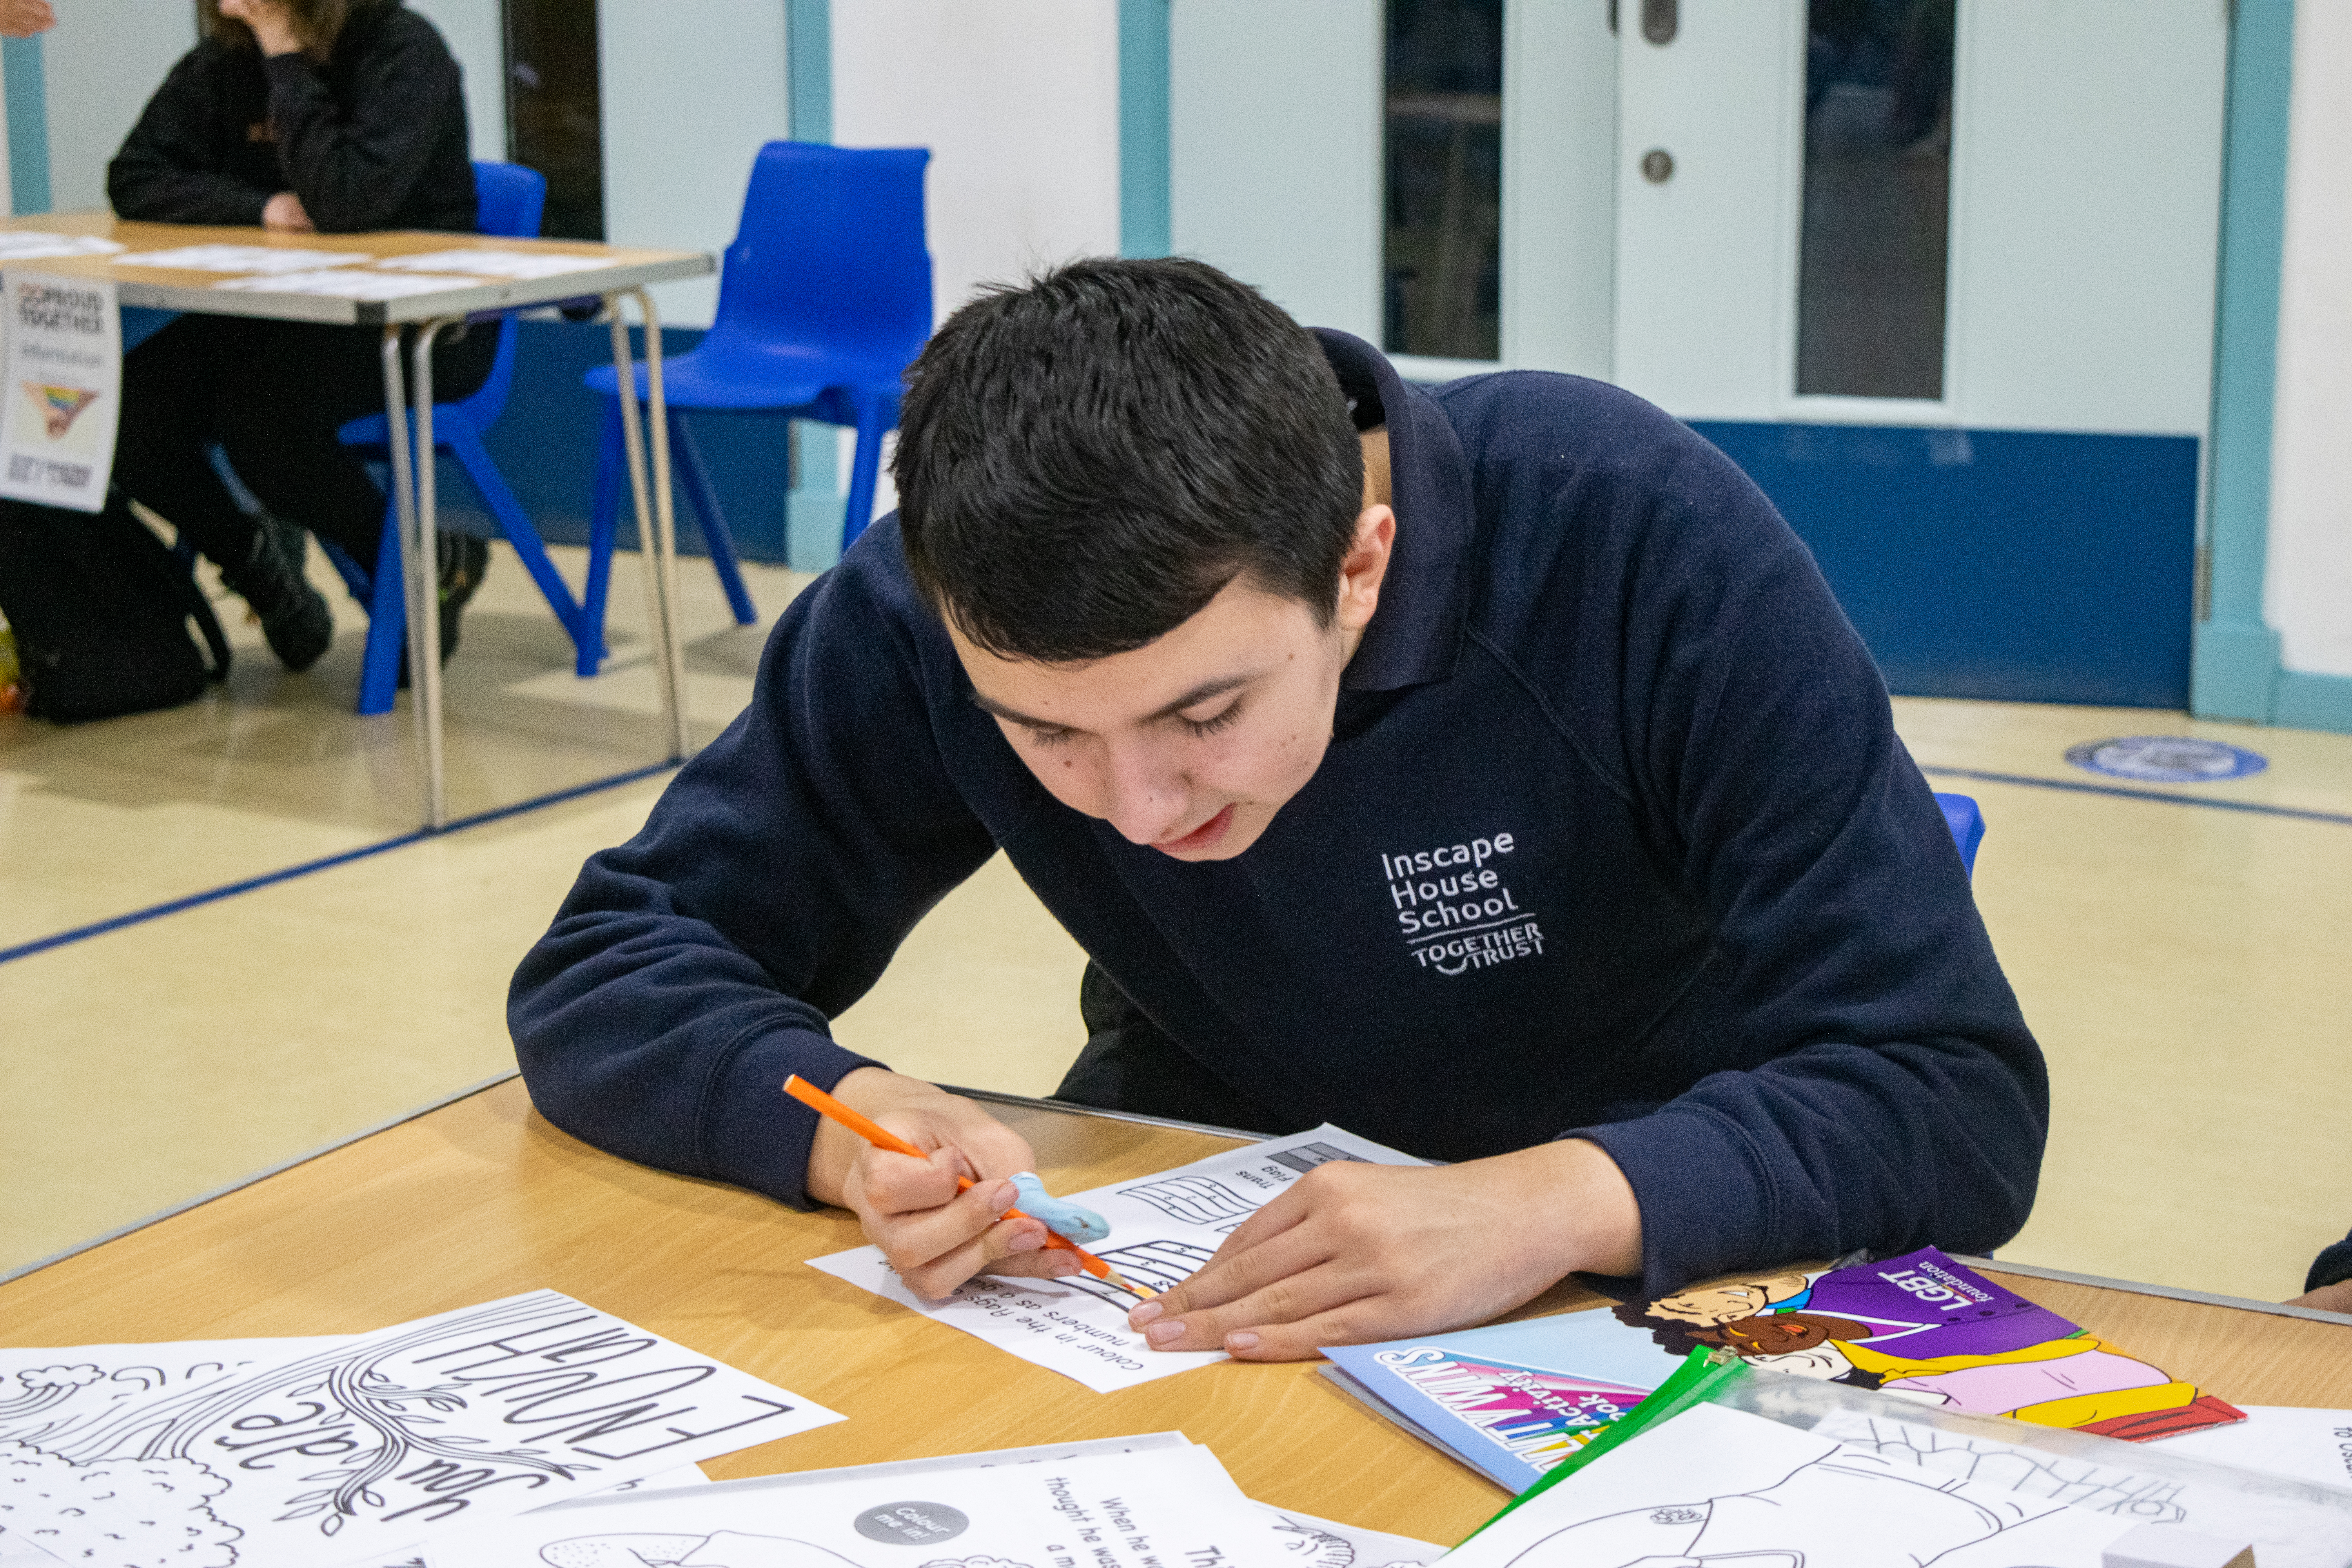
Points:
x=1719, y=1301
x=721, y=1549
x=1843, y=1510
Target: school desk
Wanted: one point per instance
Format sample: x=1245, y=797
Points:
x=414, y=321
x=482, y=1199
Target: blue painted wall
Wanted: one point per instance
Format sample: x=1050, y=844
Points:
x=1996, y=564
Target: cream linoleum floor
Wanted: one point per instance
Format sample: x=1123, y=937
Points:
x=2186, y=968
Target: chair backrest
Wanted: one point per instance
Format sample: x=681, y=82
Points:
x=1967, y=825
x=830, y=252
x=508, y=201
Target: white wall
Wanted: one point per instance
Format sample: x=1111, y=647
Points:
x=475, y=32
x=1275, y=150
x=99, y=65
x=1018, y=102
x=686, y=110
x=2308, y=590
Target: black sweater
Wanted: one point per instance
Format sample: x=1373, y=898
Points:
x=1720, y=925
x=375, y=139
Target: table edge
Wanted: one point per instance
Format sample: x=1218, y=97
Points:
x=998, y=1096
x=2169, y=1292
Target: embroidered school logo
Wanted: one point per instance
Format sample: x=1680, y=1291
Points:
x=1455, y=909
x=59, y=406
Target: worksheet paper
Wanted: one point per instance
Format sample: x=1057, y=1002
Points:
x=496, y=263
x=2135, y=1487
x=2282, y=1439
x=1163, y=1227
x=59, y=406
x=235, y=1455
x=32, y=244
x=1718, y=1485
x=348, y=284
x=1172, y=1508
x=243, y=259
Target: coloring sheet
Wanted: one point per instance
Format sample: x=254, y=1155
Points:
x=1163, y=1227
x=243, y=259
x=2309, y=1445
x=2135, y=1489
x=340, y=284
x=234, y=1453
x=496, y=263
x=1714, y=1486
x=1166, y=1508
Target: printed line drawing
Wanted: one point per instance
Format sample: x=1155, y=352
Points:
x=1162, y=1265
x=1839, y=1510
x=1194, y=1200
x=721, y=1549
x=1307, y=1156
x=2078, y=1483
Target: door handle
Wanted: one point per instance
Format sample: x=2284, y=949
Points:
x=1660, y=20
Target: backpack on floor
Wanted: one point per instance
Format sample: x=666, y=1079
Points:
x=100, y=612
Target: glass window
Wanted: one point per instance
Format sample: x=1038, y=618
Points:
x=555, y=121
x=1878, y=166
x=1442, y=253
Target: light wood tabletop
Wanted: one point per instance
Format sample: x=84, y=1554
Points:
x=482, y=1199
x=619, y=266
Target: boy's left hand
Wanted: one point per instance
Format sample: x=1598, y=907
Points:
x=1357, y=1252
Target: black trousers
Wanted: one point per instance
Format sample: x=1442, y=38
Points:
x=1130, y=1064
x=272, y=395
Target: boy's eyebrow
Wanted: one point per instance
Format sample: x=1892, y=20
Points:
x=1200, y=693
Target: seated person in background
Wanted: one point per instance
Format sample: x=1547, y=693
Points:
x=2328, y=1287
x=1486, y=769
x=333, y=116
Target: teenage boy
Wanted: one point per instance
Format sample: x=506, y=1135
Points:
x=1486, y=770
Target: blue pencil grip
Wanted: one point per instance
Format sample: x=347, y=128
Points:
x=1069, y=1221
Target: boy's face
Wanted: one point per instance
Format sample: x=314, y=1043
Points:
x=1191, y=742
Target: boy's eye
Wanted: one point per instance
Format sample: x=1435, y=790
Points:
x=1207, y=727
x=1038, y=737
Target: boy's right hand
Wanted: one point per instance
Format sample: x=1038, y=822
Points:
x=935, y=1238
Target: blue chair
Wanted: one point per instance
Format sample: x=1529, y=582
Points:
x=511, y=197
x=824, y=299
x=1966, y=823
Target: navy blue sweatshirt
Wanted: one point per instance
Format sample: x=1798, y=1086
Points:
x=1614, y=839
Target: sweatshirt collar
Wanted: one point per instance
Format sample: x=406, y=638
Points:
x=1417, y=630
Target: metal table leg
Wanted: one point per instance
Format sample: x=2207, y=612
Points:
x=422, y=557
x=657, y=517
x=417, y=586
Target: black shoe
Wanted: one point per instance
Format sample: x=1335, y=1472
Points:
x=464, y=560
x=294, y=617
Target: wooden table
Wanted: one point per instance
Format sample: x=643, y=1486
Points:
x=482, y=1199
x=414, y=321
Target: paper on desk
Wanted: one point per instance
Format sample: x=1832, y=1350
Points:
x=496, y=263
x=243, y=259
x=2282, y=1439
x=32, y=244
x=235, y=1453
x=351, y=285
x=1715, y=1485
x=1165, y=1507
x=1162, y=1228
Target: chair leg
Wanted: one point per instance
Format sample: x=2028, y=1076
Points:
x=465, y=445
x=715, y=534
x=387, y=620
x=874, y=421
x=603, y=517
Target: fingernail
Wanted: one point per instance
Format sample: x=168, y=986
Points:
x=1027, y=1241
x=1243, y=1341
x=1065, y=1265
x=1164, y=1333
x=1143, y=1314
x=1002, y=1199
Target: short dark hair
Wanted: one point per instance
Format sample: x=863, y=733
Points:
x=1086, y=460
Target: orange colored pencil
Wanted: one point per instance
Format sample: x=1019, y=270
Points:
x=881, y=1137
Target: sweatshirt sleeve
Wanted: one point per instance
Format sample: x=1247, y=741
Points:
x=354, y=170
x=1889, y=1095
x=168, y=170
x=695, y=966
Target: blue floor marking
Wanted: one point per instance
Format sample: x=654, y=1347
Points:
x=325, y=863
x=2258, y=808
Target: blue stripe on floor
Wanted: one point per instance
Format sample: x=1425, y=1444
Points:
x=2257, y=807
x=325, y=863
